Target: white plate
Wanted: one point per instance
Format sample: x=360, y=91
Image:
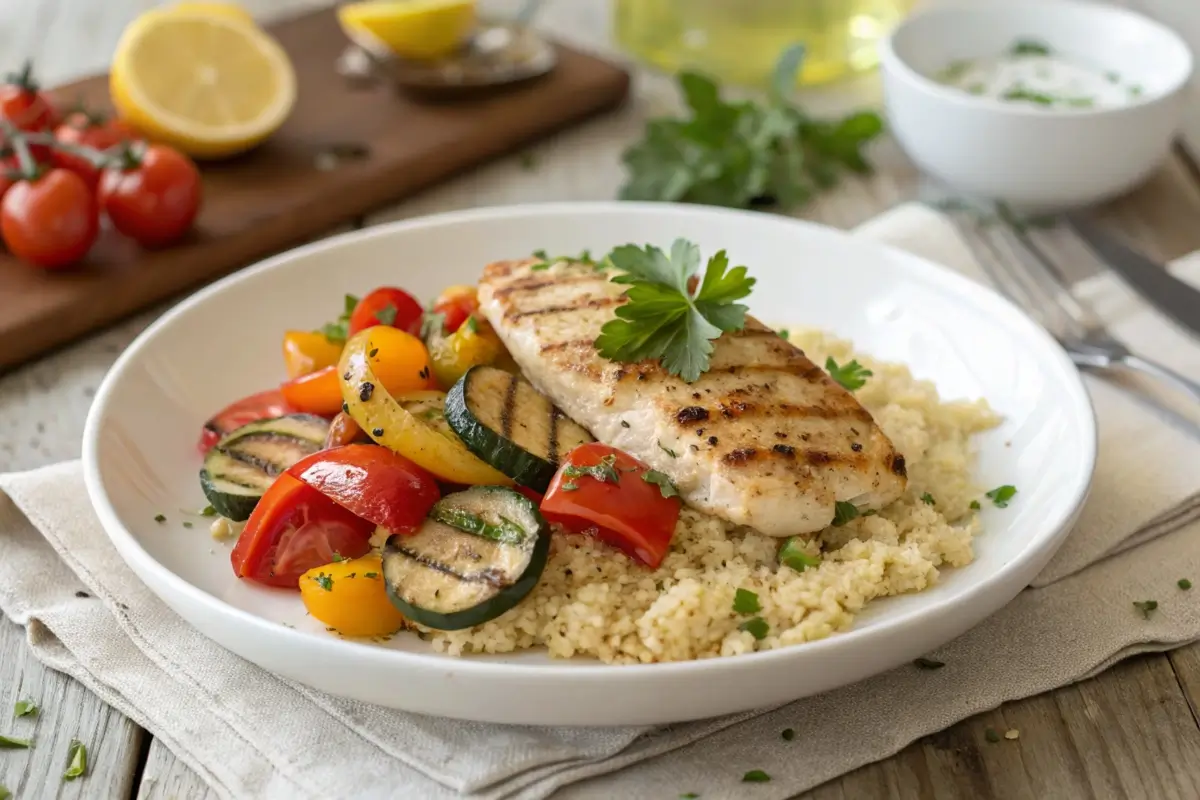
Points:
x=140, y=456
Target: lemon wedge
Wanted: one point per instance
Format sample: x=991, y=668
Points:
x=214, y=9
x=421, y=30
x=210, y=85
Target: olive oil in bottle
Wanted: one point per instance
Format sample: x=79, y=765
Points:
x=738, y=41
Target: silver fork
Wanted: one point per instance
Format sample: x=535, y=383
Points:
x=1021, y=270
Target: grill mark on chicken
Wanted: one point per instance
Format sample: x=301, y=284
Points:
x=567, y=345
x=530, y=285
x=739, y=409
x=584, y=303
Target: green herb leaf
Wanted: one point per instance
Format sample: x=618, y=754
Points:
x=432, y=324
x=745, y=153
x=851, y=375
x=187, y=523
x=5, y=794
x=339, y=329
x=661, y=481
x=1147, y=607
x=664, y=320
x=991, y=735
x=928, y=663
x=792, y=554
x=667, y=450
x=1029, y=47
x=783, y=333
x=76, y=761
x=472, y=324
x=324, y=581
x=756, y=776
x=160, y=518
x=605, y=471
x=371, y=575
x=337, y=557
x=208, y=511
x=975, y=505
x=927, y=499
x=757, y=627
x=546, y=261
x=25, y=708
x=1001, y=495
x=684, y=796
x=1184, y=584
x=843, y=512
x=386, y=315
x=13, y=743
x=788, y=734
x=746, y=602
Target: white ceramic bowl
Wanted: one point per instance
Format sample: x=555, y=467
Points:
x=222, y=343
x=1027, y=155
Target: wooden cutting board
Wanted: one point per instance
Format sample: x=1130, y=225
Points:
x=276, y=196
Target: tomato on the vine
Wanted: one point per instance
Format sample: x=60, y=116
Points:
x=49, y=219
x=24, y=106
x=152, y=195
x=82, y=129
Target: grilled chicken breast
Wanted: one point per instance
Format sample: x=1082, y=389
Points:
x=765, y=438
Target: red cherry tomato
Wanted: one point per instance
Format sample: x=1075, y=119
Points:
x=293, y=529
x=263, y=405
x=88, y=130
x=51, y=220
x=456, y=304
x=373, y=482
x=22, y=103
x=387, y=306
x=153, y=196
x=631, y=514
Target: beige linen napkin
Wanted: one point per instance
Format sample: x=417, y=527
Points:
x=253, y=735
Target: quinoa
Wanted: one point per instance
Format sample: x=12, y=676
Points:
x=594, y=601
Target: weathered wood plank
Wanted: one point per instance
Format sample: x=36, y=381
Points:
x=165, y=777
x=1186, y=663
x=68, y=711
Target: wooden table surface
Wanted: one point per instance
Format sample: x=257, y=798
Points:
x=1118, y=735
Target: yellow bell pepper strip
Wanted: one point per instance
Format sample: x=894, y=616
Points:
x=309, y=351
x=350, y=597
x=474, y=343
x=412, y=424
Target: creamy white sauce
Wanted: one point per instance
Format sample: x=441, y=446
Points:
x=1032, y=74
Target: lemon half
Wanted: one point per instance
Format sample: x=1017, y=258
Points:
x=210, y=84
x=421, y=30
x=211, y=8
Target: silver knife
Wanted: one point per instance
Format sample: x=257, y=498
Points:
x=1171, y=296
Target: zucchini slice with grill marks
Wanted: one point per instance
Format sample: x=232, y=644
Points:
x=511, y=426
x=244, y=464
x=479, y=553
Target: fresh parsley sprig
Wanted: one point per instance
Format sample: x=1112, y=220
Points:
x=339, y=329
x=666, y=319
x=748, y=153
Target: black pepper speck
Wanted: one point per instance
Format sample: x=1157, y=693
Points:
x=377, y=432
x=365, y=391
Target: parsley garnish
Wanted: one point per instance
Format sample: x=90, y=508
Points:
x=338, y=557
x=25, y=708
x=1184, y=584
x=546, y=261
x=1147, y=607
x=665, y=319
x=371, y=575
x=432, y=324
x=792, y=554
x=684, y=796
x=747, y=153
x=1029, y=47
x=746, y=602
x=76, y=760
x=927, y=499
x=386, y=315
x=324, y=581
x=472, y=324
x=843, y=512
x=187, y=523
x=788, y=734
x=928, y=663
x=851, y=375
x=975, y=505
x=756, y=776
x=661, y=481
x=12, y=743
x=208, y=511
x=783, y=333
x=991, y=735
x=667, y=450
x=1001, y=495
x=605, y=472
x=160, y=518
x=339, y=329
x=756, y=627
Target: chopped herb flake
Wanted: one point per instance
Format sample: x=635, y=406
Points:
x=324, y=581
x=927, y=499
x=605, y=471
x=160, y=518
x=661, y=481
x=1001, y=495
x=208, y=511
x=667, y=450
x=337, y=557
x=975, y=505
x=843, y=512
x=12, y=743
x=569, y=486
x=991, y=735
x=339, y=329
x=624, y=423
x=783, y=333
x=757, y=627
x=387, y=314
x=1029, y=47
x=851, y=375
x=528, y=160
x=788, y=734
x=1184, y=584
x=1147, y=607
x=187, y=523
x=688, y=796
x=472, y=324
x=371, y=575
x=746, y=602
x=928, y=663
x=546, y=261
x=25, y=708
x=756, y=776
x=76, y=760
x=5, y=794
x=792, y=554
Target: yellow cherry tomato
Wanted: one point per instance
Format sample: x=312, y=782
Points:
x=350, y=596
x=474, y=343
x=309, y=351
x=398, y=359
